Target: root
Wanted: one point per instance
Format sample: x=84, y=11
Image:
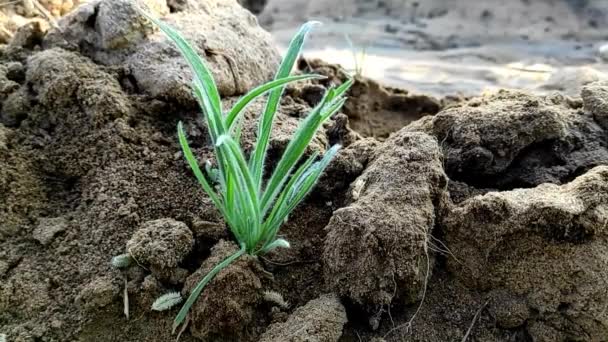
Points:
x=408, y=325
x=444, y=250
x=466, y=336
x=428, y=246
x=125, y=299
x=289, y=263
x=184, y=327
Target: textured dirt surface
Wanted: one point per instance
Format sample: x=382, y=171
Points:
x=228, y=306
x=513, y=139
x=374, y=255
x=321, y=319
x=539, y=252
x=373, y=110
x=483, y=217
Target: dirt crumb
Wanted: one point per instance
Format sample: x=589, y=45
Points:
x=48, y=228
x=98, y=293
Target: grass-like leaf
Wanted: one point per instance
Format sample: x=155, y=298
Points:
x=254, y=212
x=259, y=153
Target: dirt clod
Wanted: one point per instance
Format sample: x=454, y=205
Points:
x=98, y=293
x=595, y=100
x=227, y=306
x=505, y=240
x=376, y=247
x=321, y=319
x=512, y=139
x=238, y=52
x=48, y=228
x=161, y=243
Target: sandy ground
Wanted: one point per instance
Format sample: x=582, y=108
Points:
x=439, y=220
x=454, y=47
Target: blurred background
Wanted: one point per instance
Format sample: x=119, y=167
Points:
x=453, y=47
x=436, y=47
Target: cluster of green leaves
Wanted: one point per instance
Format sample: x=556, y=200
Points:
x=254, y=206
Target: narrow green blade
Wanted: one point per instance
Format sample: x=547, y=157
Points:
x=300, y=186
x=330, y=104
x=181, y=315
x=246, y=192
x=289, y=188
x=265, y=125
x=259, y=91
x=201, y=72
x=196, y=169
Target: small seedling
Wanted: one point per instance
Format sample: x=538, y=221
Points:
x=254, y=206
x=359, y=56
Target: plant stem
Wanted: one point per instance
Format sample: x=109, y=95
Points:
x=199, y=287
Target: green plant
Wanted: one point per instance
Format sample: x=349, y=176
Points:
x=358, y=56
x=254, y=208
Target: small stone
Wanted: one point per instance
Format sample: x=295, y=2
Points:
x=48, y=228
x=56, y=324
x=119, y=23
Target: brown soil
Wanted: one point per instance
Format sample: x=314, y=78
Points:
x=373, y=110
x=439, y=219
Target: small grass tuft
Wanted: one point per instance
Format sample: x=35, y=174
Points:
x=254, y=206
x=359, y=56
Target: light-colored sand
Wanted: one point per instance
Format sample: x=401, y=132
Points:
x=458, y=46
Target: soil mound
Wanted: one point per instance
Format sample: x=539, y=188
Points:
x=489, y=213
